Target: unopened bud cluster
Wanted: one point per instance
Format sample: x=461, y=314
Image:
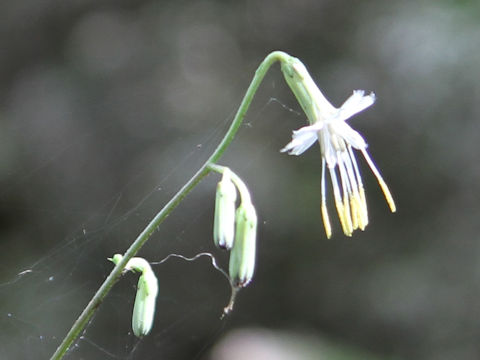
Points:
x=235, y=230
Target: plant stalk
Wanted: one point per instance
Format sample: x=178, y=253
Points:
x=97, y=299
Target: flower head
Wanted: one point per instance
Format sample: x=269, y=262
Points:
x=337, y=141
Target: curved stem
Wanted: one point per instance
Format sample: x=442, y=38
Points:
x=97, y=299
x=242, y=188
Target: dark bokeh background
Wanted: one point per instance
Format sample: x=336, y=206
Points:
x=108, y=107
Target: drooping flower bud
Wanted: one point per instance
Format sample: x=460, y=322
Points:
x=224, y=221
x=242, y=256
x=145, y=302
x=145, y=299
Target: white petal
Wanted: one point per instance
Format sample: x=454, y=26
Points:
x=351, y=136
x=302, y=139
x=300, y=143
x=310, y=128
x=354, y=104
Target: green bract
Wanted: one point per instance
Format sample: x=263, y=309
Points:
x=242, y=256
x=309, y=96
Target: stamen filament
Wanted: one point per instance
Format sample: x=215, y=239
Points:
x=381, y=182
x=325, y=217
x=361, y=191
x=346, y=192
x=339, y=203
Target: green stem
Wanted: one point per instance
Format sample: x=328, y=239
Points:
x=97, y=299
x=242, y=188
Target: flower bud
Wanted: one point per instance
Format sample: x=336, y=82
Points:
x=242, y=256
x=116, y=258
x=145, y=302
x=145, y=299
x=224, y=221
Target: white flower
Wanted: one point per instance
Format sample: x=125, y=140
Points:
x=337, y=140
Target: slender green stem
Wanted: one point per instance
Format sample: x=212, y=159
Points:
x=242, y=188
x=97, y=299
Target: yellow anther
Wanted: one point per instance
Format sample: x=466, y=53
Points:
x=354, y=210
x=326, y=220
x=362, y=217
x=387, y=194
x=341, y=216
x=364, y=212
x=347, y=215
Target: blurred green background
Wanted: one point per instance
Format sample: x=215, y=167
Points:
x=108, y=107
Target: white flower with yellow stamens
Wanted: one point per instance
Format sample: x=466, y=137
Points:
x=337, y=141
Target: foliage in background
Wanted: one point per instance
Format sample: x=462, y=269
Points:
x=93, y=93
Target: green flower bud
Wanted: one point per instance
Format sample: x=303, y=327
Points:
x=145, y=299
x=145, y=302
x=242, y=256
x=116, y=258
x=224, y=221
